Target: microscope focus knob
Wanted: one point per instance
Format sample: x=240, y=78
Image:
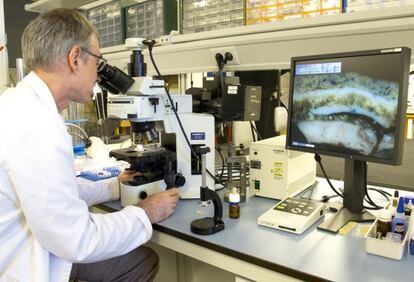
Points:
x=142, y=195
x=179, y=180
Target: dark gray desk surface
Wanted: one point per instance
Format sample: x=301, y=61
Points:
x=314, y=255
x=398, y=177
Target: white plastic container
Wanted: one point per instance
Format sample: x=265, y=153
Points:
x=386, y=248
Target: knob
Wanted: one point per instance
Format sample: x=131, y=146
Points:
x=142, y=195
x=179, y=180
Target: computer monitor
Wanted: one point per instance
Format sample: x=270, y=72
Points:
x=350, y=105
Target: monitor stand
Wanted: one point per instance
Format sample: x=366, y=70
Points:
x=355, y=181
x=342, y=217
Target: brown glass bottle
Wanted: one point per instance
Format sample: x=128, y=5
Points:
x=384, y=222
x=234, y=208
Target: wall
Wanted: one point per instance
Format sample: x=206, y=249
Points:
x=16, y=19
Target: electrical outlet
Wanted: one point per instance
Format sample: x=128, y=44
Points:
x=223, y=50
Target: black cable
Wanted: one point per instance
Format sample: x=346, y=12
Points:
x=222, y=161
x=255, y=129
x=326, y=198
x=267, y=114
x=284, y=106
x=368, y=200
x=382, y=192
x=385, y=194
x=319, y=161
x=222, y=85
x=371, y=202
x=226, y=136
x=225, y=133
x=223, y=178
x=150, y=44
x=252, y=130
x=223, y=166
x=370, y=208
x=220, y=64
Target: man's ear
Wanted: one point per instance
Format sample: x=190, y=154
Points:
x=74, y=57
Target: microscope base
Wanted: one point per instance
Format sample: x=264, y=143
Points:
x=132, y=195
x=206, y=226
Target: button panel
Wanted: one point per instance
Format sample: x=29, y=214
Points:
x=297, y=206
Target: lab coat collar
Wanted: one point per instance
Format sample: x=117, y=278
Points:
x=42, y=91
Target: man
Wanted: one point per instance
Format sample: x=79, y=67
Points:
x=46, y=230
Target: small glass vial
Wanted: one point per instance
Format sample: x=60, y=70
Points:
x=408, y=208
x=384, y=222
x=394, y=203
x=234, y=200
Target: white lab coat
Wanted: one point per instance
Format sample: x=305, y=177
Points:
x=45, y=224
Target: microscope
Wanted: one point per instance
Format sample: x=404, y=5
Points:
x=161, y=151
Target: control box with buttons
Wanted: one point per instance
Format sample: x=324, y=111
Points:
x=292, y=215
x=276, y=172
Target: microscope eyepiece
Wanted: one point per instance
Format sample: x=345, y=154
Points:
x=113, y=79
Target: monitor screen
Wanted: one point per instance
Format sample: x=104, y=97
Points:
x=350, y=105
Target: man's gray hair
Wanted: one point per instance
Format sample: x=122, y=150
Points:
x=48, y=39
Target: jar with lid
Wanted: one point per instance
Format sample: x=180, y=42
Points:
x=384, y=222
x=234, y=201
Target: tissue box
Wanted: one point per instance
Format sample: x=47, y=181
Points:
x=386, y=248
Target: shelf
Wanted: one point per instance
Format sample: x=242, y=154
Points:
x=42, y=6
x=271, y=46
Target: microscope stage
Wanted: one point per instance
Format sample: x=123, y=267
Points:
x=150, y=159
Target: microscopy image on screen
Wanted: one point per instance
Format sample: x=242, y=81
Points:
x=345, y=112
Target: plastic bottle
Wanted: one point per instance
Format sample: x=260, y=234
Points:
x=409, y=207
x=399, y=224
x=234, y=200
x=394, y=202
x=384, y=222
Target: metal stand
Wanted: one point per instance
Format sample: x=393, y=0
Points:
x=240, y=184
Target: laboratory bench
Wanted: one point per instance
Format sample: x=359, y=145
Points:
x=263, y=254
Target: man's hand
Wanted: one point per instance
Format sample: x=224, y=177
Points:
x=160, y=205
x=127, y=174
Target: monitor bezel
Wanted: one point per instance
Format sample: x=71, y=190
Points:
x=405, y=55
